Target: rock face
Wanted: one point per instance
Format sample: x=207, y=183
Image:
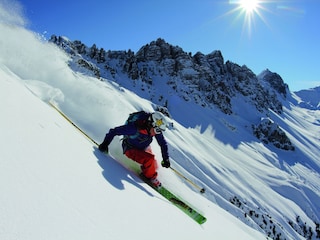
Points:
x=206, y=80
x=275, y=81
x=269, y=132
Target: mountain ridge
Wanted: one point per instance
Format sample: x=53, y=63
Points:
x=203, y=79
x=207, y=79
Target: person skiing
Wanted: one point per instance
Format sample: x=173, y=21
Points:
x=138, y=133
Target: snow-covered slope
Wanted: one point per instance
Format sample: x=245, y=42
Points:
x=55, y=185
x=309, y=98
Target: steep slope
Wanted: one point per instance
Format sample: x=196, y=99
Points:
x=269, y=189
x=56, y=185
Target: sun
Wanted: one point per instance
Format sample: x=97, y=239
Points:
x=249, y=6
x=249, y=11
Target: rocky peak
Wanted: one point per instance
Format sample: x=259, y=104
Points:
x=157, y=51
x=275, y=81
x=204, y=79
x=216, y=61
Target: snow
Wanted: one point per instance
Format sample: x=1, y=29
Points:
x=309, y=98
x=55, y=184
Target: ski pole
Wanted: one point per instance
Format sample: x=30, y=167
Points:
x=202, y=190
x=68, y=119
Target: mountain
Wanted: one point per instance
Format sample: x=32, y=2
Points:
x=243, y=137
x=202, y=79
x=309, y=98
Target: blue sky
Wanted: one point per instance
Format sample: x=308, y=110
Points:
x=282, y=35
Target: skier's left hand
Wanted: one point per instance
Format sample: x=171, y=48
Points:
x=165, y=163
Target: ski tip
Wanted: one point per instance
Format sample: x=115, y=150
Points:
x=203, y=221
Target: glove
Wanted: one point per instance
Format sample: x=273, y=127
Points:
x=165, y=163
x=103, y=147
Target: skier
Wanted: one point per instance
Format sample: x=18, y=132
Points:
x=138, y=133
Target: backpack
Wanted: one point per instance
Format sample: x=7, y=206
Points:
x=138, y=118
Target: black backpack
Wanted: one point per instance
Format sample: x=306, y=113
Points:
x=140, y=119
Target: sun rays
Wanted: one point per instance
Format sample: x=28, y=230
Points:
x=248, y=11
x=249, y=6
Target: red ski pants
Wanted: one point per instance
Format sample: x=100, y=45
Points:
x=147, y=160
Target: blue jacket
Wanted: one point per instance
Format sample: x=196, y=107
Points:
x=137, y=138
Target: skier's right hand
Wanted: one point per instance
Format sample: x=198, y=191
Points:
x=103, y=147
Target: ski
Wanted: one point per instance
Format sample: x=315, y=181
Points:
x=186, y=208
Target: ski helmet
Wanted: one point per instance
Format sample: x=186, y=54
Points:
x=159, y=123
